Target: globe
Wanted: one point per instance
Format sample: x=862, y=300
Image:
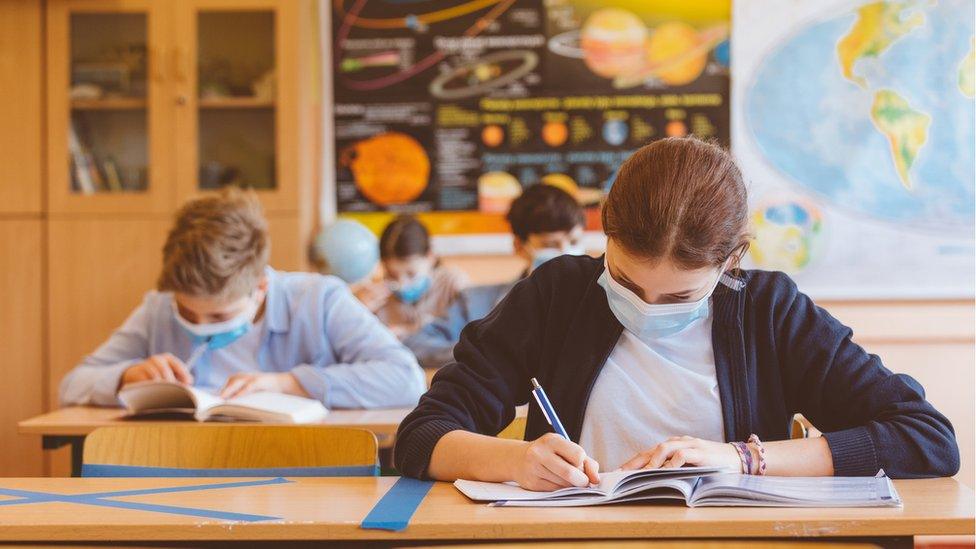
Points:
x=348, y=249
x=787, y=234
x=872, y=112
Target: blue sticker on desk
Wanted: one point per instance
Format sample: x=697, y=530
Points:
x=100, y=499
x=394, y=510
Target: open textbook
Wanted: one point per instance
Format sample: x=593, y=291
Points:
x=697, y=487
x=165, y=397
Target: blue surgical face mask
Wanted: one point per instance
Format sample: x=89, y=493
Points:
x=648, y=321
x=414, y=290
x=542, y=255
x=219, y=334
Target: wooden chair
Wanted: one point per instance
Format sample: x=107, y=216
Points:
x=515, y=430
x=229, y=450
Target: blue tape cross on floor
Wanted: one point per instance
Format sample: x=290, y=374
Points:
x=394, y=510
x=101, y=499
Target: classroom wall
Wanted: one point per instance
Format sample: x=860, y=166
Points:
x=933, y=341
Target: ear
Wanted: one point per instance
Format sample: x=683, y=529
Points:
x=521, y=248
x=263, y=284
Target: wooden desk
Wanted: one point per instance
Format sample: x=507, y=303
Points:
x=71, y=425
x=332, y=508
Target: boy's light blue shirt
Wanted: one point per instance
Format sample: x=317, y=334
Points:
x=312, y=326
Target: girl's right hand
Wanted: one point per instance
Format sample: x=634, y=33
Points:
x=551, y=462
x=161, y=367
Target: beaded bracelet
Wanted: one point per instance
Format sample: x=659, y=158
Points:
x=753, y=439
x=745, y=456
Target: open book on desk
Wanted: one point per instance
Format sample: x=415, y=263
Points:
x=148, y=398
x=697, y=487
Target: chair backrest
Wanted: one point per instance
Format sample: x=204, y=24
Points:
x=515, y=430
x=229, y=450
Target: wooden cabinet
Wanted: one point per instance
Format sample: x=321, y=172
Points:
x=152, y=103
x=21, y=360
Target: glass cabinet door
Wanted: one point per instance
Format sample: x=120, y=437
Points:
x=236, y=96
x=107, y=132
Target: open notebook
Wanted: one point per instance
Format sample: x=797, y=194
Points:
x=165, y=397
x=697, y=487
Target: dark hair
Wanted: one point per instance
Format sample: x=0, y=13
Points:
x=405, y=236
x=680, y=198
x=543, y=209
x=218, y=246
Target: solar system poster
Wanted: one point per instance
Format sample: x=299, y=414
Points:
x=449, y=110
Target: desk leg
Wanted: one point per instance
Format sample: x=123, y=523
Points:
x=53, y=442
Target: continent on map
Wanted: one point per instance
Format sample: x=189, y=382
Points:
x=905, y=128
x=967, y=71
x=878, y=26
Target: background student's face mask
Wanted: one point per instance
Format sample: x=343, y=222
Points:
x=220, y=334
x=542, y=255
x=414, y=290
x=648, y=321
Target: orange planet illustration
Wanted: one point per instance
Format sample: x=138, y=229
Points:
x=674, y=47
x=554, y=133
x=389, y=168
x=492, y=135
x=496, y=191
x=676, y=128
x=613, y=42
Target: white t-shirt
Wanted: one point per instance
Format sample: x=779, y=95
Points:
x=647, y=393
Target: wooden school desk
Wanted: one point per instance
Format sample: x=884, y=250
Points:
x=71, y=425
x=332, y=508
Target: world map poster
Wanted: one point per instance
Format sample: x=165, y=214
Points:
x=448, y=110
x=854, y=125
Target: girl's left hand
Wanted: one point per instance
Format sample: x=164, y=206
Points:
x=281, y=382
x=678, y=451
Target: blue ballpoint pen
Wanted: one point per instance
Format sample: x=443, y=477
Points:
x=547, y=410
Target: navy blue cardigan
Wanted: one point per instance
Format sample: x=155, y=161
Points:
x=776, y=354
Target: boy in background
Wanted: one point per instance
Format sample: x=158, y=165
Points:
x=224, y=321
x=546, y=222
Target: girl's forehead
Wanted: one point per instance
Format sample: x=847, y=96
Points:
x=661, y=275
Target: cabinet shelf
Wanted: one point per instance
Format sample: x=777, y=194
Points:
x=236, y=103
x=111, y=104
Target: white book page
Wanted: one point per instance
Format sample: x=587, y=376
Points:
x=147, y=396
x=267, y=406
x=496, y=491
x=796, y=491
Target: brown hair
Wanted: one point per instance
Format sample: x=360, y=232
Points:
x=218, y=246
x=679, y=198
x=405, y=236
x=544, y=209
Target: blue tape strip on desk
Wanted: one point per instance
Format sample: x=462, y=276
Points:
x=394, y=510
x=99, y=499
x=100, y=470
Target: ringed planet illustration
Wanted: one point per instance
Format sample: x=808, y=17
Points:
x=478, y=76
x=615, y=44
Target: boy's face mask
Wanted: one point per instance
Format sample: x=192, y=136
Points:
x=542, y=255
x=221, y=334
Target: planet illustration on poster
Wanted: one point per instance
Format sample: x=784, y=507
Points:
x=616, y=44
x=615, y=131
x=389, y=168
x=481, y=75
x=496, y=191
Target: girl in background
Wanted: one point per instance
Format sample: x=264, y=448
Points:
x=416, y=287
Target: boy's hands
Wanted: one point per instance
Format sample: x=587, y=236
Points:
x=551, y=462
x=161, y=367
x=246, y=383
